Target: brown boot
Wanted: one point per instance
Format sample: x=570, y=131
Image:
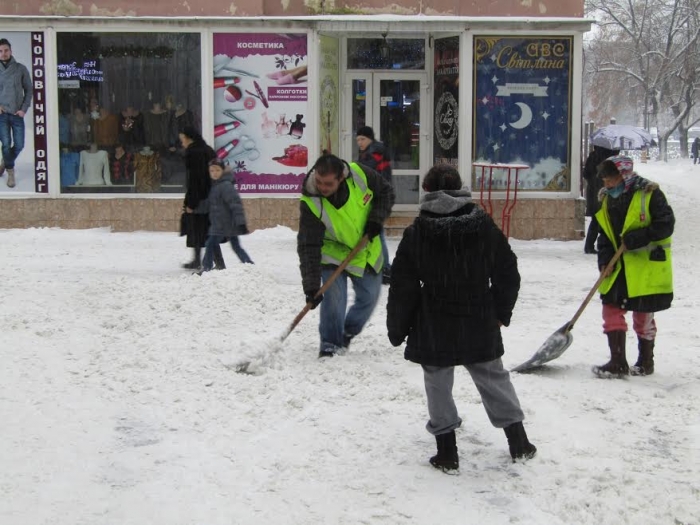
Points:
x=617, y=367
x=645, y=362
x=10, y=177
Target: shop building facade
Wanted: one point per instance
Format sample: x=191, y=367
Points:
x=271, y=87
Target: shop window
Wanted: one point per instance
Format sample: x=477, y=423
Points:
x=522, y=111
x=123, y=98
x=386, y=53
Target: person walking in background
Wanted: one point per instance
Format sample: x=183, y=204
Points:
x=341, y=203
x=372, y=154
x=15, y=98
x=195, y=220
x=593, y=187
x=226, y=217
x=454, y=284
x=695, y=150
x=635, y=213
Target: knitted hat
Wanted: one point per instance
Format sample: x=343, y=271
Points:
x=624, y=164
x=366, y=131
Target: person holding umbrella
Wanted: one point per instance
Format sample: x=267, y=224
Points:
x=634, y=213
x=593, y=187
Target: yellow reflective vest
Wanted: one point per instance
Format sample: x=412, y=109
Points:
x=648, y=270
x=345, y=225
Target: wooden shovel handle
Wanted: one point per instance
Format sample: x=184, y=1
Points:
x=360, y=245
x=609, y=267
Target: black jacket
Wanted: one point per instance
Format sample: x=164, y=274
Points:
x=453, y=279
x=375, y=157
x=312, y=230
x=662, y=224
x=197, y=157
x=590, y=173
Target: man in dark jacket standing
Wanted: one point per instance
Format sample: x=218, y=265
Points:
x=15, y=98
x=593, y=187
x=372, y=154
x=341, y=203
x=454, y=284
x=635, y=213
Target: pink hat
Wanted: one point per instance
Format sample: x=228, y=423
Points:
x=624, y=164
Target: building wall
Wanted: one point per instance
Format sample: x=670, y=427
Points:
x=491, y=8
x=530, y=219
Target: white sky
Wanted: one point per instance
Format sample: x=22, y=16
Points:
x=116, y=408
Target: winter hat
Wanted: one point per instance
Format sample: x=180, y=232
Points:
x=624, y=164
x=366, y=131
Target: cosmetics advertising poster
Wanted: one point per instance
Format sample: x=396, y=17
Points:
x=260, y=109
x=23, y=134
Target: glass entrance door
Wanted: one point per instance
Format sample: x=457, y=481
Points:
x=391, y=104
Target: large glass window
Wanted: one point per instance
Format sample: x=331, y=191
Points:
x=123, y=98
x=386, y=53
x=522, y=111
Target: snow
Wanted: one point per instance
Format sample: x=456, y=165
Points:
x=118, y=407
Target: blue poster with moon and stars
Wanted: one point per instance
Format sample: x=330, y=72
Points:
x=522, y=108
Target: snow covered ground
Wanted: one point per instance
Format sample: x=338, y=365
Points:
x=116, y=409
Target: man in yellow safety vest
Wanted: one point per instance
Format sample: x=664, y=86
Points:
x=341, y=203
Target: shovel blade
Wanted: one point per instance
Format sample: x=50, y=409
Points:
x=553, y=347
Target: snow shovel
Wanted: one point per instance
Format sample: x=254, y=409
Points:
x=266, y=350
x=560, y=340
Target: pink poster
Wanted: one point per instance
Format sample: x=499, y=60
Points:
x=260, y=109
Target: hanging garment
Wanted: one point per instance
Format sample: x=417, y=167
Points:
x=94, y=168
x=123, y=169
x=147, y=172
x=105, y=130
x=70, y=168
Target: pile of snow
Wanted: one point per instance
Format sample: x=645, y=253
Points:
x=119, y=405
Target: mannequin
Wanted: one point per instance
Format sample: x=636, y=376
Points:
x=122, y=166
x=156, y=122
x=79, y=128
x=131, y=133
x=94, y=167
x=147, y=170
x=180, y=119
x=105, y=128
x=70, y=166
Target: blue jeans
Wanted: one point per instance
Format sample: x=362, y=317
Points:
x=12, y=138
x=385, y=251
x=213, y=246
x=335, y=322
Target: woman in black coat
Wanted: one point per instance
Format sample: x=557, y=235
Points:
x=593, y=187
x=454, y=284
x=195, y=221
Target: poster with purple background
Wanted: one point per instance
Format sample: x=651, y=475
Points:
x=260, y=109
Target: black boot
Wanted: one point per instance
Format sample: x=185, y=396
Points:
x=645, y=362
x=196, y=262
x=446, y=458
x=219, y=263
x=617, y=367
x=518, y=444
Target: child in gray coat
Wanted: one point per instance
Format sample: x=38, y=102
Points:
x=226, y=217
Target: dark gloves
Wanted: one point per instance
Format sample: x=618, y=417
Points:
x=372, y=229
x=313, y=300
x=636, y=239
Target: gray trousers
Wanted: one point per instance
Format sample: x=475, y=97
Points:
x=491, y=380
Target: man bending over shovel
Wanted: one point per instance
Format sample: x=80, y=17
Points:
x=634, y=212
x=340, y=204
